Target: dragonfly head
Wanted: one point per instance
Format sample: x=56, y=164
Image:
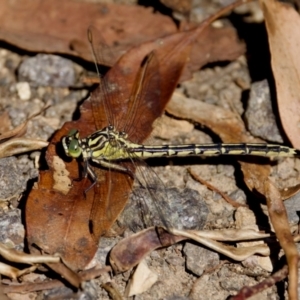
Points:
x=71, y=144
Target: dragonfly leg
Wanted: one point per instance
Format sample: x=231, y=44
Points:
x=107, y=165
x=93, y=177
x=113, y=166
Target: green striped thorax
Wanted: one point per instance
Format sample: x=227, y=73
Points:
x=107, y=144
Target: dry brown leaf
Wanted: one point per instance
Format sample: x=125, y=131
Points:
x=279, y=220
x=20, y=145
x=283, y=24
x=130, y=251
x=117, y=26
x=67, y=34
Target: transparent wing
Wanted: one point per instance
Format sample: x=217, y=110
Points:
x=111, y=194
x=150, y=197
x=106, y=98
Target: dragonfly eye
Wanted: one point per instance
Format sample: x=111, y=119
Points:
x=74, y=148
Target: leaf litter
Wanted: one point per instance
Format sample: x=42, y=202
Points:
x=254, y=177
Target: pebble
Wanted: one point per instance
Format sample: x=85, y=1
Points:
x=198, y=259
x=47, y=70
x=13, y=232
x=259, y=114
x=11, y=183
x=23, y=90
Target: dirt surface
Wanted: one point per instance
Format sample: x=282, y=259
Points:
x=185, y=270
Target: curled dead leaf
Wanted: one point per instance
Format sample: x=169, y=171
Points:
x=283, y=22
x=20, y=145
x=130, y=251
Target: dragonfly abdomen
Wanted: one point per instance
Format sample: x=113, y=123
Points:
x=268, y=150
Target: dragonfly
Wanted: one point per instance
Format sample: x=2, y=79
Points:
x=119, y=142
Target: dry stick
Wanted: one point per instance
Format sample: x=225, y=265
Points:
x=247, y=292
x=112, y=291
x=211, y=187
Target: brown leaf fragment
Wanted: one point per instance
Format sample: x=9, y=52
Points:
x=255, y=174
x=289, y=191
x=279, y=220
x=213, y=45
x=130, y=251
x=64, y=217
x=283, y=23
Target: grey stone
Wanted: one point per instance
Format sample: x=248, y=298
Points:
x=259, y=114
x=198, y=259
x=47, y=70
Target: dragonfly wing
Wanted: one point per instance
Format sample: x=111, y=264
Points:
x=151, y=198
x=108, y=96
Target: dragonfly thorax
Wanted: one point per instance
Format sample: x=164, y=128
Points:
x=107, y=144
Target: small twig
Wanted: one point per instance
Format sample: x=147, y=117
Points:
x=213, y=188
x=247, y=292
x=112, y=291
